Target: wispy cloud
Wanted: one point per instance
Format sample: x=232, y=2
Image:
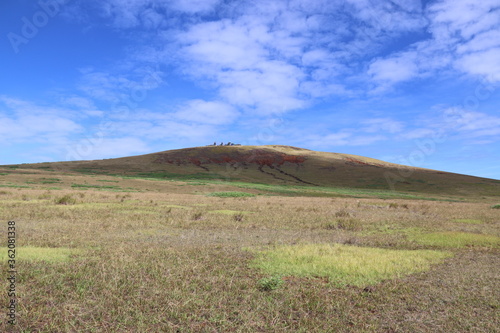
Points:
x=204, y=112
x=22, y=121
x=470, y=29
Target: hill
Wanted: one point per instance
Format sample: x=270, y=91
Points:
x=282, y=165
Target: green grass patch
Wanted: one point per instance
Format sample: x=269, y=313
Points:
x=231, y=194
x=50, y=180
x=452, y=239
x=468, y=221
x=325, y=191
x=270, y=283
x=3, y=173
x=344, y=264
x=495, y=206
x=49, y=254
x=90, y=171
x=174, y=176
x=16, y=186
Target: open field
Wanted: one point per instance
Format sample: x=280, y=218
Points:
x=101, y=253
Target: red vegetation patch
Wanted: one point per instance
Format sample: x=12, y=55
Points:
x=260, y=157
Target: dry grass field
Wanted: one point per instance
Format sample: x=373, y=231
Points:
x=98, y=253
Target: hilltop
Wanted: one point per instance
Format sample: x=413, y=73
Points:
x=282, y=165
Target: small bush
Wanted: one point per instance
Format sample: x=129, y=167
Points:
x=350, y=224
x=66, y=200
x=342, y=213
x=495, y=206
x=197, y=216
x=396, y=205
x=270, y=283
x=238, y=217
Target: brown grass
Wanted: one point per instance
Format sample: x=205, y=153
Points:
x=161, y=260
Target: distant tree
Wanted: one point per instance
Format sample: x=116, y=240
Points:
x=215, y=143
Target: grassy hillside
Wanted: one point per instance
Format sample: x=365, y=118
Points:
x=211, y=240
x=282, y=165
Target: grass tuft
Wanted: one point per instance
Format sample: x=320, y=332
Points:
x=270, y=283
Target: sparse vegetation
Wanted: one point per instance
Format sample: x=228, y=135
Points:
x=233, y=194
x=495, y=206
x=293, y=259
x=468, y=221
x=66, y=200
x=456, y=239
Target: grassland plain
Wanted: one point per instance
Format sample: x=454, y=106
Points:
x=151, y=255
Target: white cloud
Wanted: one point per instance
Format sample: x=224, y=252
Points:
x=465, y=37
x=465, y=17
x=470, y=30
x=106, y=148
x=397, y=68
x=193, y=6
x=149, y=14
x=22, y=121
x=384, y=125
x=474, y=123
x=128, y=85
x=343, y=138
x=204, y=112
x=238, y=58
x=400, y=15
x=485, y=64
x=418, y=133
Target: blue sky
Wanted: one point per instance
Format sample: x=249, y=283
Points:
x=405, y=81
